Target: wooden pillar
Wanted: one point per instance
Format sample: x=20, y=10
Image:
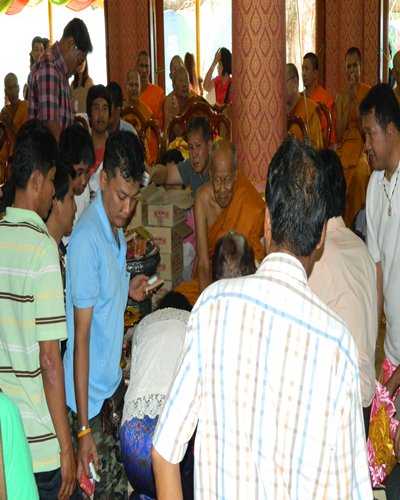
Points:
x=258, y=88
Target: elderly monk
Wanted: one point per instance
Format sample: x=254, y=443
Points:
x=317, y=93
x=351, y=144
x=396, y=74
x=13, y=115
x=134, y=100
x=176, y=100
x=152, y=95
x=228, y=202
x=303, y=107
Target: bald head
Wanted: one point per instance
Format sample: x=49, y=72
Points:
x=11, y=87
x=132, y=86
x=223, y=166
x=143, y=66
x=175, y=63
x=180, y=83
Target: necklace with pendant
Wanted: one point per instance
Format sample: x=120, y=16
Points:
x=389, y=198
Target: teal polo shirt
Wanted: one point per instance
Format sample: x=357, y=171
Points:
x=96, y=277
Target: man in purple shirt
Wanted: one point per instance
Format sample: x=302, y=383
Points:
x=49, y=95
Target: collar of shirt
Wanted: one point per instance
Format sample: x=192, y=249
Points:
x=335, y=223
x=382, y=177
x=106, y=224
x=283, y=263
x=16, y=215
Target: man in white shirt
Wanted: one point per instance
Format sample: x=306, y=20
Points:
x=268, y=373
x=380, y=114
x=344, y=278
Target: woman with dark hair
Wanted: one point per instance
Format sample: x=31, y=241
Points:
x=223, y=82
x=80, y=86
x=195, y=82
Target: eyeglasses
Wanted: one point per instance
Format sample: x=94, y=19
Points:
x=80, y=61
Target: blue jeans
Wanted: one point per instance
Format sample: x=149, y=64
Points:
x=48, y=484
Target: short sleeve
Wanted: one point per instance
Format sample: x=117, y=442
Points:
x=184, y=170
x=49, y=296
x=83, y=270
x=372, y=237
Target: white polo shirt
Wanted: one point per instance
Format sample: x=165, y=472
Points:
x=383, y=232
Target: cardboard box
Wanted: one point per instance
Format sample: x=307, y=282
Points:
x=170, y=239
x=168, y=208
x=170, y=264
x=140, y=215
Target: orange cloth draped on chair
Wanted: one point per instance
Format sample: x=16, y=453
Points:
x=311, y=118
x=153, y=97
x=18, y=120
x=244, y=214
x=150, y=144
x=354, y=162
x=321, y=95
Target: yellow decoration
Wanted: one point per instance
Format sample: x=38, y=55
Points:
x=379, y=434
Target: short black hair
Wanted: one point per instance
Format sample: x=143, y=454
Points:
x=200, y=123
x=226, y=61
x=115, y=92
x=296, y=194
x=61, y=182
x=75, y=146
x=232, y=257
x=176, y=300
x=124, y=151
x=97, y=92
x=35, y=149
x=336, y=183
x=382, y=100
x=353, y=50
x=312, y=58
x=172, y=155
x=77, y=29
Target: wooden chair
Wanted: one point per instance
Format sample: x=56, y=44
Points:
x=144, y=128
x=5, y=140
x=219, y=123
x=299, y=122
x=82, y=120
x=325, y=116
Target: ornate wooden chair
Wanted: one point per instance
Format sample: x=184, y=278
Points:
x=298, y=122
x=82, y=120
x=219, y=123
x=5, y=141
x=147, y=129
x=325, y=117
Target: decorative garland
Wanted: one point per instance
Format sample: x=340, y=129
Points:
x=12, y=7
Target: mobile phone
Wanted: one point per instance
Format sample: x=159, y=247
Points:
x=154, y=282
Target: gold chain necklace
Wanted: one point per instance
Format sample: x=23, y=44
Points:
x=391, y=196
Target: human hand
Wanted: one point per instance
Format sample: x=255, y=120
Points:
x=137, y=287
x=68, y=473
x=86, y=447
x=352, y=88
x=217, y=57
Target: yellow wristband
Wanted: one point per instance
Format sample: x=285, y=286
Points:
x=83, y=433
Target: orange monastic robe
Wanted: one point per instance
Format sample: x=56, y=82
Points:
x=321, y=95
x=244, y=214
x=311, y=118
x=18, y=120
x=354, y=162
x=153, y=97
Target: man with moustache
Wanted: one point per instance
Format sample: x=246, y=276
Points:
x=97, y=289
x=32, y=319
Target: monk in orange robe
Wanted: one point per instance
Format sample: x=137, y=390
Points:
x=134, y=100
x=13, y=115
x=303, y=107
x=228, y=201
x=317, y=93
x=351, y=149
x=151, y=95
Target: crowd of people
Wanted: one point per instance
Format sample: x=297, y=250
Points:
x=255, y=378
